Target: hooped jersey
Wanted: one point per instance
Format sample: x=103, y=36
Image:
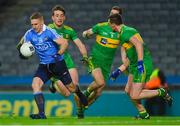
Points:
x=65, y=31
x=107, y=42
x=125, y=35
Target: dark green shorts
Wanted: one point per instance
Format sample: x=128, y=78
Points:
x=104, y=65
x=69, y=62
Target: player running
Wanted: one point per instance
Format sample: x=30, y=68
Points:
x=58, y=17
x=49, y=46
x=136, y=56
x=101, y=58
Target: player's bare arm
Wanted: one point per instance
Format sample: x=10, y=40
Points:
x=63, y=45
x=122, y=67
x=81, y=47
x=83, y=51
x=139, y=47
x=124, y=57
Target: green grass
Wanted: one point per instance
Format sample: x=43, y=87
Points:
x=90, y=121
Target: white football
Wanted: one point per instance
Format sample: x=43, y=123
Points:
x=27, y=49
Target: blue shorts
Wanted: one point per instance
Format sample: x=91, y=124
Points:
x=58, y=70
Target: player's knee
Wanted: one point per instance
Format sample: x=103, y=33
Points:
x=34, y=87
x=101, y=84
x=67, y=94
x=75, y=82
x=134, y=97
x=98, y=93
x=72, y=88
x=127, y=91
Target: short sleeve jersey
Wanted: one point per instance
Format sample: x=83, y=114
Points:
x=125, y=36
x=65, y=31
x=107, y=42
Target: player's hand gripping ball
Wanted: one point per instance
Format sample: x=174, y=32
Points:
x=27, y=49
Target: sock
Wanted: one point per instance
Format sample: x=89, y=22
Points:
x=143, y=114
x=80, y=110
x=92, y=98
x=76, y=99
x=162, y=92
x=87, y=92
x=39, y=98
x=78, y=91
x=81, y=96
x=80, y=113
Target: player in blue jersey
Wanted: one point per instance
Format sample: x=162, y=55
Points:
x=49, y=47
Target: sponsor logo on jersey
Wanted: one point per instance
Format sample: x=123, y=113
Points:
x=43, y=46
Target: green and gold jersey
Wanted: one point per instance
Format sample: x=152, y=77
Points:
x=106, y=44
x=65, y=31
x=125, y=36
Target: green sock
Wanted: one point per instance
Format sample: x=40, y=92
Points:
x=144, y=114
x=87, y=92
x=162, y=92
x=79, y=110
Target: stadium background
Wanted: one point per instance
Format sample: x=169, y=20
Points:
x=158, y=21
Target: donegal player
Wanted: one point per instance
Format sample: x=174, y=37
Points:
x=58, y=17
x=102, y=56
x=135, y=50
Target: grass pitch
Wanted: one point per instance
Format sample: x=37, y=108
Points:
x=90, y=121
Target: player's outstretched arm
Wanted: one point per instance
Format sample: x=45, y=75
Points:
x=81, y=47
x=118, y=71
x=121, y=68
x=124, y=58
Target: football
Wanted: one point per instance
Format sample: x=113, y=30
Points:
x=27, y=49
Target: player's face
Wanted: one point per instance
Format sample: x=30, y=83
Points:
x=37, y=25
x=58, y=17
x=114, y=27
x=114, y=12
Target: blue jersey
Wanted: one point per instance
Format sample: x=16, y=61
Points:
x=44, y=43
